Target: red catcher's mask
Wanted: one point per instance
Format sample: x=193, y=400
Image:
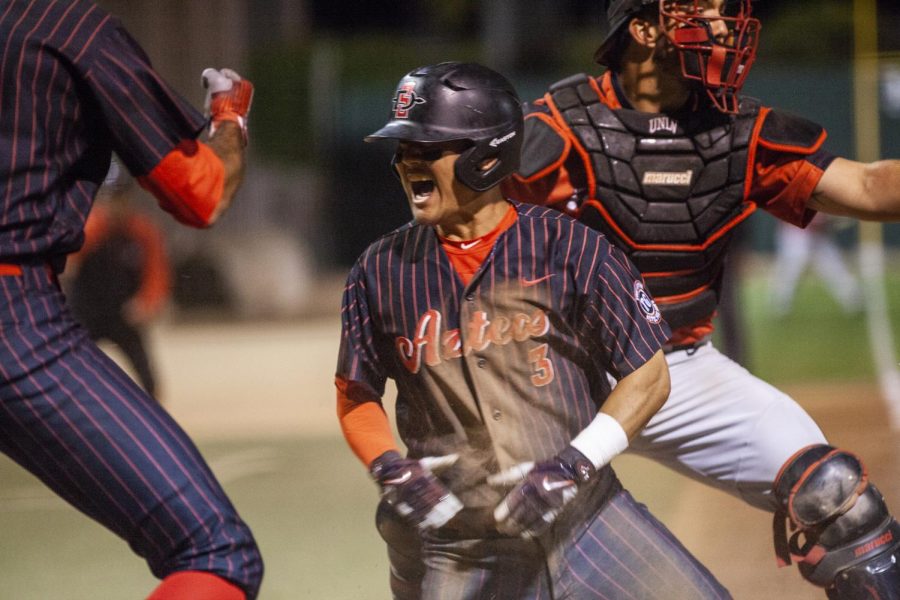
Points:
x=716, y=51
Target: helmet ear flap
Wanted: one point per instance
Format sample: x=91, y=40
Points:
x=395, y=160
x=469, y=169
x=469, y=172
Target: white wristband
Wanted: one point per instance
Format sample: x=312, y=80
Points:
x=602, y=440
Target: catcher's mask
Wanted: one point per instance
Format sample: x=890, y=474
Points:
x=460, y=102
x=715, y=51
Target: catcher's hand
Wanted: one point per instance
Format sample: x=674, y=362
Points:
x=540, y=492
x=412, y=489
x=228, y=98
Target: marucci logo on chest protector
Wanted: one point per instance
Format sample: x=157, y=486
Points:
x=668, y=177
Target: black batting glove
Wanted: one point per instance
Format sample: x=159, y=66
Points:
x=540, y=492
x=412, y=489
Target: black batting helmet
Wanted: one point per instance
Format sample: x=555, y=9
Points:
x=615, y=14
x=455, y=101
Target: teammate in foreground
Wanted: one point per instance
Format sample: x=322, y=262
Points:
x=664, y=157
x=75, y=87
x=499, y=324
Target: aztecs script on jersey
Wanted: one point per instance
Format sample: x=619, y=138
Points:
x=433, y=344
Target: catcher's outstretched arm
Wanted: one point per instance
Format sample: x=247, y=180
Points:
x=867, y=191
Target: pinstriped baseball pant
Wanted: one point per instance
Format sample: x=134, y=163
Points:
x=621, y=552
x=71, y=417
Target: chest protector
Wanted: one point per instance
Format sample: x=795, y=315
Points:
x=667, y=190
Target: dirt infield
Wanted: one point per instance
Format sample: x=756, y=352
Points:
x=252, y=381
x=734, y=540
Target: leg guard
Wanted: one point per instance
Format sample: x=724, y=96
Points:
x=404, y=553
x=844, y=539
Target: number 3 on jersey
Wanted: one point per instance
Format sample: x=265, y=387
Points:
x=541, y=365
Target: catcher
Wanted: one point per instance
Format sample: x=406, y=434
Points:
x=665, y=157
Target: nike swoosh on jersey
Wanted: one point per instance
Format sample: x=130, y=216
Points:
x=398, y=480
x=552, y=486
x=466, y=246
x=531, y=282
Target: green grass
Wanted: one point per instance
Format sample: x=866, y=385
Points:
x=309, y=503
x=816, y=341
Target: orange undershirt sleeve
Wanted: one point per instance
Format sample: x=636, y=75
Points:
x=363, y=421
x=188, y=183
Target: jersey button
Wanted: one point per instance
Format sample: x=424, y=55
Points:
x=496, y=415
x=482, y=363
x=470, y=297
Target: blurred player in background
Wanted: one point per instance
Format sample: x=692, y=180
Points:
x=120, y=280
x=796, y=249
x=499, y=324
x=666, y=158
x=75, y=88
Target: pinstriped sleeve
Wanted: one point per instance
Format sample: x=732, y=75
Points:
x=145, y=117
x=623, y=323
x=357, y=358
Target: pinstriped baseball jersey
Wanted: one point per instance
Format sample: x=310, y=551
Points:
x=75, y=87
x=523, y=349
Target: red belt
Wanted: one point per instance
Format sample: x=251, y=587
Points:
x=8, y=270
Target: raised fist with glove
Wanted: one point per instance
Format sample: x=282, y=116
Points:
x=541, y=492
x=412, y=489
x=228, y=98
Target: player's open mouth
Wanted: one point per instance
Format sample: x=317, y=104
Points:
x=421, y=190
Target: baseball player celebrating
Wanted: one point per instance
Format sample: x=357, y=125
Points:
x=75, y=88
x=664, y=157
x=500, y=325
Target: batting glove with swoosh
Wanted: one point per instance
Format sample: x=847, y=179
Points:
x=540, y=492
x=412, y=489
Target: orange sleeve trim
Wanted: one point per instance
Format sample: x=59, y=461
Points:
x=188, y=183
x=751, y=154
x=363, y=421
x=795, y=149
x=811, y=175
x=790, y=204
